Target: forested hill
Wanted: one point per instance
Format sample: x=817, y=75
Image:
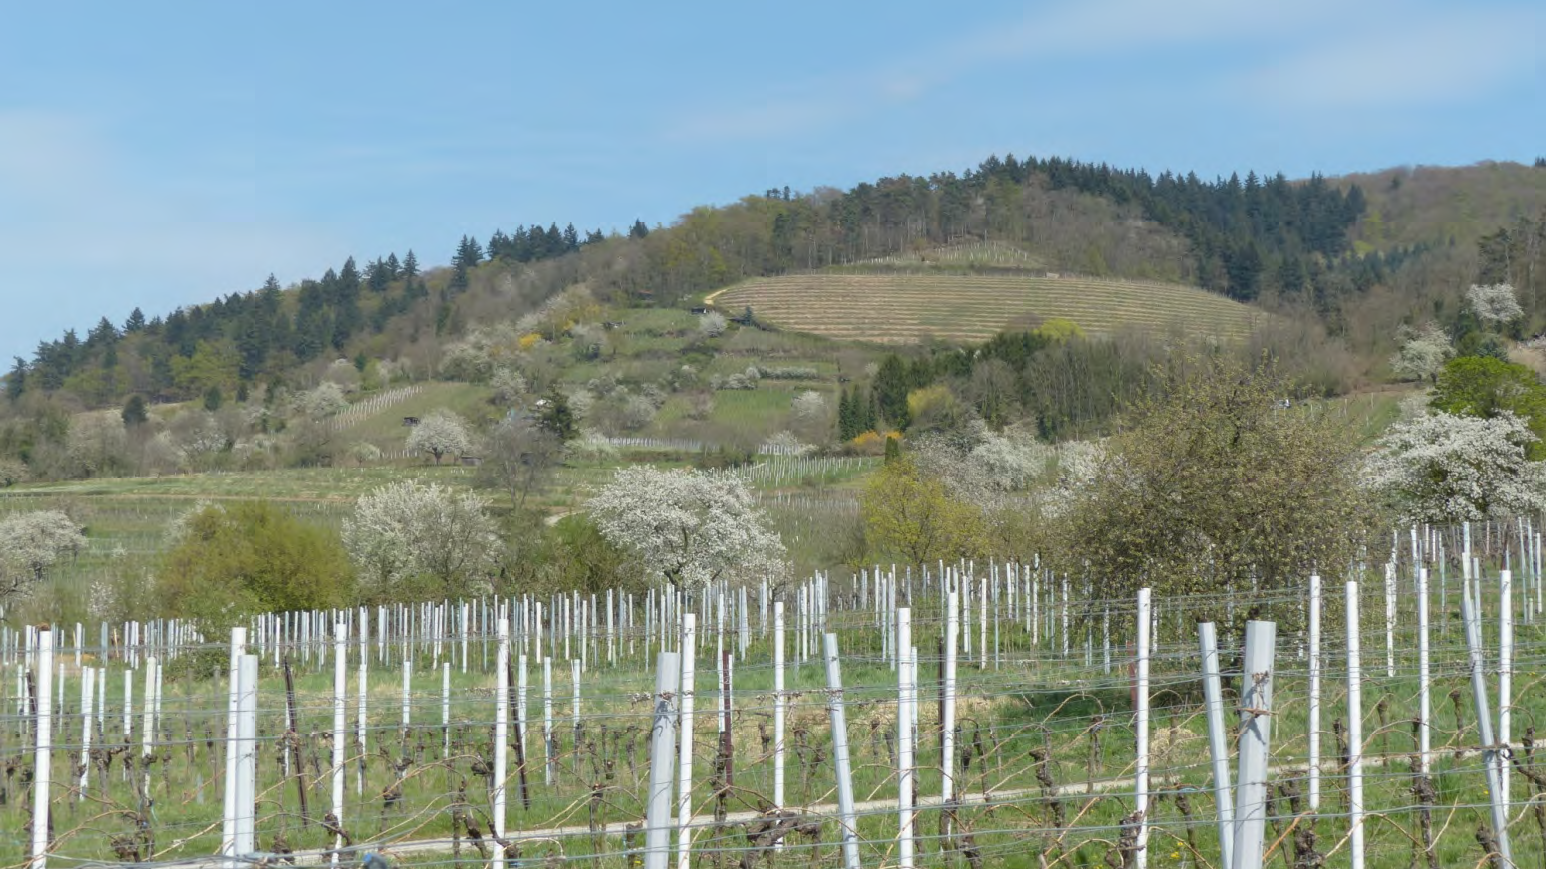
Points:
x=1261, y=236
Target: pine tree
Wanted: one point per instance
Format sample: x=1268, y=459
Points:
x=410, y=265
x=393, y=268
x=16, y=381
x=845, y=415
x=136, y=320
x=891, y=388
x=638, y=230
x=134, y=412
x=571, y=238
x=556, y=417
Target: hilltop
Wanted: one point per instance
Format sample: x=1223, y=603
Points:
x=1320, y=272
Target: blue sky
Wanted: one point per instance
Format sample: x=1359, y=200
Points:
x=158, y=154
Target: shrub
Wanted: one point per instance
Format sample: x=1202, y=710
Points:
x=237, y=559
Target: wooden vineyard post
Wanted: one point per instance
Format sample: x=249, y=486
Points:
x=292, y=750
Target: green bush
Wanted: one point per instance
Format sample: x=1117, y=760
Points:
x=251, y=557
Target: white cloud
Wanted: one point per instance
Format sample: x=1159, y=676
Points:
x=1400, y=62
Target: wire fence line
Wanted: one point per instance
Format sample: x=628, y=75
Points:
x=1036, y=675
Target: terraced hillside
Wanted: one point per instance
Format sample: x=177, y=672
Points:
x=908, y=308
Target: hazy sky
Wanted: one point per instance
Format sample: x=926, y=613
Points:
x=158, y=154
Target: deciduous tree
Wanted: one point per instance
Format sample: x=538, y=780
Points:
x=688, y=527
x=1214, y=487
x=440, y=434
x=30, y=544
x=411, y=541
x=1445, y=468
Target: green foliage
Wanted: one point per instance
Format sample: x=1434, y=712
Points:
x=1485, y=386
x=213, y=398
x=556, y=417
x=1214, y=487
x=248, y=557
x=572, y=554
x=892, y=385
x=913, y=516
x=134, y=413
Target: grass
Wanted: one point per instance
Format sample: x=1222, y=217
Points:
x=385, y=428
x=912, y=308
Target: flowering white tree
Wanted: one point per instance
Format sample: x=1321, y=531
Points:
x=1494, y=303
x=508, y=385
x=687, y=526
x=440, y=434
x=712, y=324
x=407, y=539
x=320, y=403
x=31, y=543
x=1422, y=353
x=1445, y=468
x=809, y=406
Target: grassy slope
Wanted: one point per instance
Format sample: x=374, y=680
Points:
x=905, y=308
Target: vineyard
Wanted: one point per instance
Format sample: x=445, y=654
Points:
x=944, y=716
x=897, y=308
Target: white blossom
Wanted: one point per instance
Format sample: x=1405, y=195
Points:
x=688, y=527
x=31, y=543
x=785, y=444
x=406, y=530
x=440, y=434
x=809, y=407
x=508, y=385
x=1494, y=303
x=1422, y=353
x=1445, y=468
x=712, y=324
x=320, y=403
x=1013, y=459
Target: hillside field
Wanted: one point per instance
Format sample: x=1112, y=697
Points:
x=894, y=308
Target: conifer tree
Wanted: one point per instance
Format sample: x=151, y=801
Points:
x=134, y=412
x=136, y=320
x=410, y=265
x=16, y=381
